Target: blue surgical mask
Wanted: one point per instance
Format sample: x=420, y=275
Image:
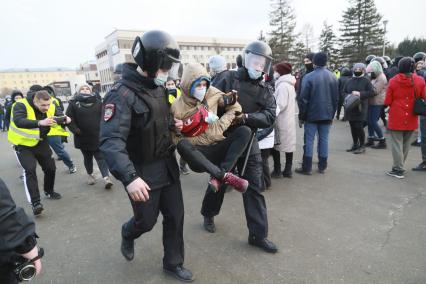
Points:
x=199, y=94
x=254, y=74
x=161, y=79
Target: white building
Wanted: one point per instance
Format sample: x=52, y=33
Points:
x=117, y=46
x=90, y=70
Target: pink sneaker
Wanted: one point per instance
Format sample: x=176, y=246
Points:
x=238, y=183
x=214, y=184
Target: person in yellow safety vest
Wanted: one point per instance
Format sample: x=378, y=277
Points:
x=57, y=136
x=32, y=119
x=172, y=90
x=174, y=93
x=337, y=73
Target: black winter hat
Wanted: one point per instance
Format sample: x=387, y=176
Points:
x=310, y=56
x=406, y=65
x=36, y=88
x=320, y=59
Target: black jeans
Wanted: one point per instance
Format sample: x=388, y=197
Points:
x=216, y=159
x=28, y=158
x=88, y=162
x=357, y=131
x=167, y=200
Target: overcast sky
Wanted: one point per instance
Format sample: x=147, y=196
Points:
x=45, y=33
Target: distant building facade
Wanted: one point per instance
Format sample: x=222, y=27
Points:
x=117, y=46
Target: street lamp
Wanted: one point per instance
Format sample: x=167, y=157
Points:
x=385, y=22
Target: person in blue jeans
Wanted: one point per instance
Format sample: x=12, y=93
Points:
x=317, y=105
x=375, y=105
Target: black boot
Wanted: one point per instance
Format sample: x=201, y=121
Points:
x=370, y=143
x=276, y=173
x=381, y=144
x=127, y=246
x=262, y=243
x=209, y=225
x=287, y=173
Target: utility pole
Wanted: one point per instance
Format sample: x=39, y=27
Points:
x=385, y=22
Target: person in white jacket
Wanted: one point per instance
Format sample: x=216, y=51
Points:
x=285, y=135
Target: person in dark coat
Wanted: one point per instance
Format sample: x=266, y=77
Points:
x=85, y=111
x=16, y=96
x=17, y=237
x=317, y=106
x=345, y=76
x=358, y=85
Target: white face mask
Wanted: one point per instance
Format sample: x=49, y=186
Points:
x=199, y=93
x=276, y=75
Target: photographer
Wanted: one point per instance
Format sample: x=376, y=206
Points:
x=17, y=238
x=31, y=120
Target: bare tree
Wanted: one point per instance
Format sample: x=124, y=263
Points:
x=308, y=37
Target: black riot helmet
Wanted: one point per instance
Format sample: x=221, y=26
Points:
x=382, y=62
x=259, y=54
x=406, y=65
x=369, y=58
x=388, y=60
x=419, y=56
x=239, y=61
x=155, y=50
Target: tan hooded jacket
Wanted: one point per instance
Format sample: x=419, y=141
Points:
x=185, y=106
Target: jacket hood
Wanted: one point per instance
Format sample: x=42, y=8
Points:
x=375, y=67
x=404, y=80
x=288, y=78
x=191, y=73
x=14, y=94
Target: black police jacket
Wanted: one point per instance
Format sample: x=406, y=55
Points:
x=17, y=230
x=255, y=98
x=135, y=131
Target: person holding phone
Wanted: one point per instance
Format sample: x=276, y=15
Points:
x=31, y=120
x=201, y=142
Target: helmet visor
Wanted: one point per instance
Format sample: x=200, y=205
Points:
x=257, y=62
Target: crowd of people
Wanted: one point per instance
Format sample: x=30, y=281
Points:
x=226, y=123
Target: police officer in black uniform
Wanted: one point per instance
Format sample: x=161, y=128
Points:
x=135, y=138
x=258, y=111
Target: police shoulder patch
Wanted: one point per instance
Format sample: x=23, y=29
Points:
x=109, y=111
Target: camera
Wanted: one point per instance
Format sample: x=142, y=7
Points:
x=59, y=119
x=26, y=270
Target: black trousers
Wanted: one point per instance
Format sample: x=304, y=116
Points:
x=254, y=202
x=167, y=200
x=216, y=159
x=6, y=274
x=357, y=131
x=28, y=158
x=88, y=161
